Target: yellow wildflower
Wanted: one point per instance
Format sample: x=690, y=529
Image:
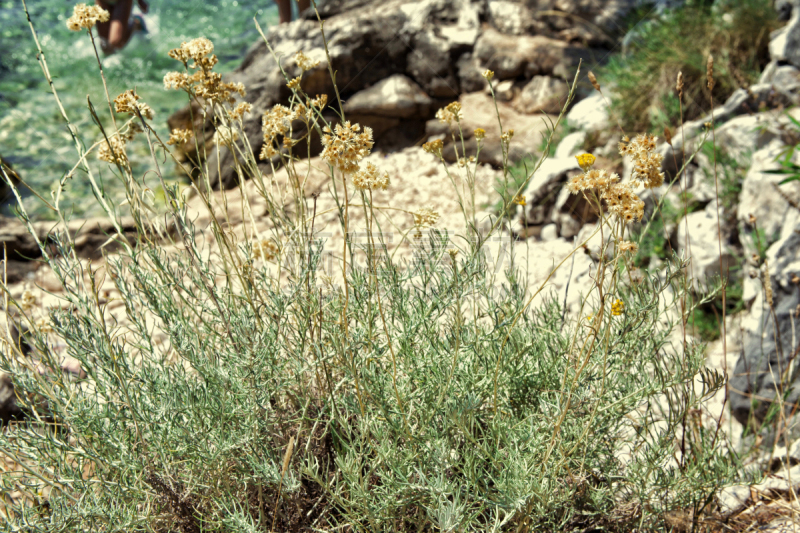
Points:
x=618, y=307
x=294, y=84
x=585, y=161
x=450, y=113
x=434, y=147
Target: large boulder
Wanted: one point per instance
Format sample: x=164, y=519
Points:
x=384, y=105
x=511, y=56
x=590, y=114
x=543, y=94
x=760, y=97
x=784, y=45
x=514, y=18
x=770, y=203
x=767, y=365
x=480, y=112
x=440, y=46
x=596, y=22
x=699, y=239
x=20, y=245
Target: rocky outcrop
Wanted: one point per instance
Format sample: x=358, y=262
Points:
x=543, y=94
x=397, y=62
x=711, y=252
x=91, y=238
x=767, y=365
x=773, y=206
x=19, y=244
x=512, y=56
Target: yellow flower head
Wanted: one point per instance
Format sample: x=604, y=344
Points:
x=519, y=199
x=618, y=307
x=480, y=134
x=434, y=147
x=585, y=161
x=295, y=83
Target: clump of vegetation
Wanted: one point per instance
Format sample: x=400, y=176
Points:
x=735, y=33
x=396, y=397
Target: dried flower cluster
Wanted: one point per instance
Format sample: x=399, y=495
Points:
x=368, y=178
x=619, y=197
x=203, y=83
x=646, y=162
x=180, y=136
x=128, y=102
x=507, y=136
x=304, y=62
x=114, y=153
x=520, y=200
x=266, y=250
x=276, y=121
x=450, y=113
x=196, y=49
x=425, y=217
x=628, y=247
x=225, y=136
x=623, y=202
x=488, y=74
x=346, y=145
x=462, y=161
x=176, y=80
x=84, y=17
x=28, y=300
x=480, y=134
x=240, y=110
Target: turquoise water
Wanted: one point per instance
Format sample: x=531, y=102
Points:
x=33, y=136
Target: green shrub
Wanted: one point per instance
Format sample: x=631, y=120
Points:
x=644, y=76
x=413, y=397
